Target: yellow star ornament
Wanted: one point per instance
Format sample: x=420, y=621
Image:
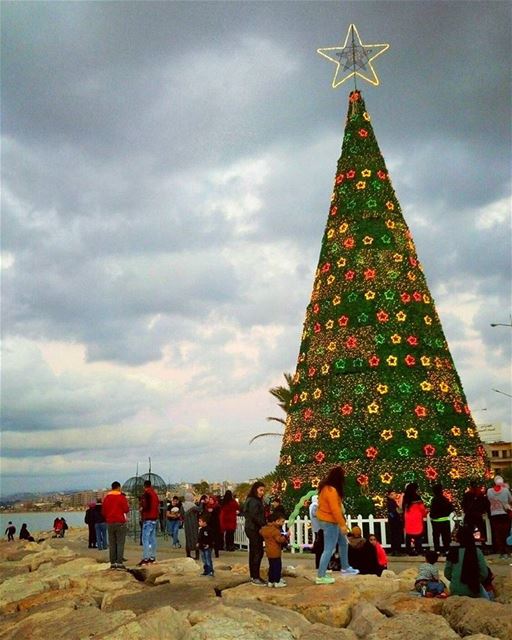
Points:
x=354, y=58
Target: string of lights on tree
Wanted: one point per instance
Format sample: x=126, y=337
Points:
x=375, y=389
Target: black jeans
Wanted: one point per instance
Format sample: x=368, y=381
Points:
x=116, y=538
x=396, y=534
x=275, y=567
x=441, y=532
x=255, y=552
x=230, y=540
x=318, y=546
x=418, y=539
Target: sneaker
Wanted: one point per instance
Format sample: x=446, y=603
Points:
x=144, y=562
x=280, y=584
x=271, y=584
x=151, y=560
x=113, y=566
x=442, y=596
x=258, y=582
x=350, y=571
x=325, y=580
x=120, y=567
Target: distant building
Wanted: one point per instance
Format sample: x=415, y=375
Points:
x=500, y=455
x=490, y=432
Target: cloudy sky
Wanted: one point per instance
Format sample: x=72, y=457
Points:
x=167, y=171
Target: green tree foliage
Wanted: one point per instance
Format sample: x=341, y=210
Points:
x=375, y=388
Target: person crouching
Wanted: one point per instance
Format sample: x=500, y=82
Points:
x=274, y=540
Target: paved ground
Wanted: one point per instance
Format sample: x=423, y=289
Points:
x=133, y=553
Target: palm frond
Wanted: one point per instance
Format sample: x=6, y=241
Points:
x=264, y=435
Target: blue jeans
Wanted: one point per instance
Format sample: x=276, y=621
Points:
x=206, y=557
x=173, y=527
x=149, y=539
x=101, y=535
x=332, y=537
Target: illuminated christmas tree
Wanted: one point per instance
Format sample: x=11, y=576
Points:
x=375, y=388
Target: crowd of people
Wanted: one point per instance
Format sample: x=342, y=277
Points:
x=209, y=526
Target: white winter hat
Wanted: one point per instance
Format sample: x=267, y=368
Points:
x=498, y=480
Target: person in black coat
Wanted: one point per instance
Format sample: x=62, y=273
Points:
x=440, y=510
x=254, y=514
x=362, y=554
x=396, y=523
x=90, y=521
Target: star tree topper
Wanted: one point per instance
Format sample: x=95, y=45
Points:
x=353, y=57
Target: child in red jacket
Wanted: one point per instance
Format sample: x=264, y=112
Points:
x=382, y=559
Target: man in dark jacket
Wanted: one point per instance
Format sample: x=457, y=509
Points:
x=149, y=512
x=440, y=510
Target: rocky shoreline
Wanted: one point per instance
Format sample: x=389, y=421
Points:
x=53, y=589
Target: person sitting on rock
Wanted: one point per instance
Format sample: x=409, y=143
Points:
x=362, y=554
x=25, y=533
x=382, y=558
x=427, y=581
x=466, y=567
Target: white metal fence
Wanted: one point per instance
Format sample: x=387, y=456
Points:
x=301, y=532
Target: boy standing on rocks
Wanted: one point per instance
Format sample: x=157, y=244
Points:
x=274, y=541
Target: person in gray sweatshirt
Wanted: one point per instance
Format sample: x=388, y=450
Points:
x=500, y=501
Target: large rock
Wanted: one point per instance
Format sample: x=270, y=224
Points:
x=319, y=631
x=294, y=621
x=414, y=626
x=372, y=588
x=65, y=622
x=167, y=568
x=406, y=602
x=476, y=615
x=327, y=604
x=365, y=619
x=46, y=578
x=164, y=623
x=230, y=623
x=18, y=588
x=503, y=586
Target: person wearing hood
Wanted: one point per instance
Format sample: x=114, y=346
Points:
x=191, y=525
x=500, y=501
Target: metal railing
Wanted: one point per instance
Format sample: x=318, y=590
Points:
x=301, y=531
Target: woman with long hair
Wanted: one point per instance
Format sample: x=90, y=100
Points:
x=331, y=520
x=254, y=520
x=414, y=512
x=466, y=568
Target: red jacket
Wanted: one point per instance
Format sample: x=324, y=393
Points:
x=115, y=507
x=228, y=515
x=150, y=504
x=413, y=518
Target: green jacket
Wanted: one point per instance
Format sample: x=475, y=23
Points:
x=452, y=571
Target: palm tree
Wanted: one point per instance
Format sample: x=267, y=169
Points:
x=283, y=395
